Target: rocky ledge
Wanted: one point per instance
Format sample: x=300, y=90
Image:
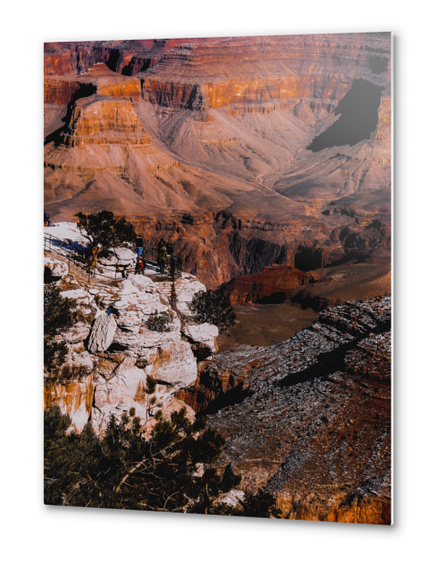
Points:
x=114, y=346
x=308, y=421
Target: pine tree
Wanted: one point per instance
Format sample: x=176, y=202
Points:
x=58, y=316
x=123, y=470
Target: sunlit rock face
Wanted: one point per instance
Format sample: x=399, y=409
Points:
x=99, y=79
x=205, y=142
x=76, y=58
x=255, y=70
x=104, y=120
x=309, y=420
x=102, y=333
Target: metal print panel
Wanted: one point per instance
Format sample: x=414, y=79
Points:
x=217, y=282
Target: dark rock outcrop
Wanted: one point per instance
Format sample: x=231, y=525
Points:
x=273, y=285
x=309, y=420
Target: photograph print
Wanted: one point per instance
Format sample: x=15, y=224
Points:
x=217, y=276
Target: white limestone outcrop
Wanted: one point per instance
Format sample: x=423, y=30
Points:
x=119, y=256
x=202, y=333
x=114, y=348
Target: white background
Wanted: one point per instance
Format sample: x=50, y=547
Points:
x=30, y=530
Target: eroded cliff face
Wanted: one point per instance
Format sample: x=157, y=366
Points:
x=112, y=350
x=104, y=120
x=218, y=129
x=309, y=420
x=254, y=70
x=98, y=79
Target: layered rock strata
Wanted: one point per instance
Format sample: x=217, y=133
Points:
x=104, y=120
x=309, y=420
x=219, y=127
x=200, y=76
x=99, y=79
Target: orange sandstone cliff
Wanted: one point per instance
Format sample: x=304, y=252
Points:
x=208, y=143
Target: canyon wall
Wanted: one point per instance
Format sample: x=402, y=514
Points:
x=161, y=130
x=104, y=120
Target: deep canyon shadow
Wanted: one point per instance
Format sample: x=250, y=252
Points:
x=359, y=117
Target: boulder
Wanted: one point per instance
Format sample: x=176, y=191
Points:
x=119, y=256
x=102, y=333
x=202, y=339
x=174, y=363
x=202, y=333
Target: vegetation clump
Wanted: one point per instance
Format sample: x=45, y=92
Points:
x=58, y=316
x=159, y=322
x=103, y=231
x=213, y=307
x=125, y=471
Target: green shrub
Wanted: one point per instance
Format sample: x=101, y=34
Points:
x=58, y=316
x=150, y=384
x=213, y=307
x=123, y=470
x=159, y=322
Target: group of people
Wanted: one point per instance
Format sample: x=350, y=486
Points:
x=165, y=258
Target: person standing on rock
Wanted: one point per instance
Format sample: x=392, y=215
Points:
x=173, y=262
x=139, y=245
x=161, y=243
x=140, y=266
x=163, y=259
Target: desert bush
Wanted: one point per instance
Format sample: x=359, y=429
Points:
x=159, y=322
x=58, y=316
x=213, y=307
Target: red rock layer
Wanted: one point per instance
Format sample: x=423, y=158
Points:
x=260, y=69
x=274, y=284
x=104, y=120
x=126, y=57
x=99, y=79
x=69, y=59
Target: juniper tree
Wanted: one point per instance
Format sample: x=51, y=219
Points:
x=103, y=230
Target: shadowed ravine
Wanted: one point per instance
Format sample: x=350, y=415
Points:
x=358, y=119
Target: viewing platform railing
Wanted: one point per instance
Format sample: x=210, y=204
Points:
x=81, y=256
